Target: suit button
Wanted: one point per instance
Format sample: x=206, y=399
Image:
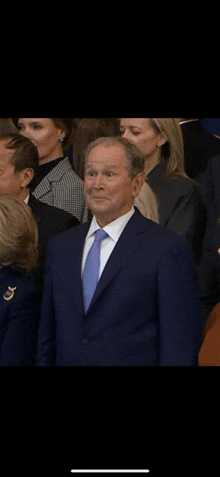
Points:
x=84, y=341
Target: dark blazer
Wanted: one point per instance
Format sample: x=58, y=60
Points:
x=210, y=125
x=145, y=310
x=209, y=269
x=51, y=221
x=210, y=186
x=181, y=208
x=199, y=147
x=19, y=319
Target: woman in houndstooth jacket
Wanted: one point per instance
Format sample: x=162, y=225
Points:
x=58, y=184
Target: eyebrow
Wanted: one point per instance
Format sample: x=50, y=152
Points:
x=31, y=123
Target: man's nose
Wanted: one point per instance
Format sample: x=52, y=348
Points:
x=98, y=181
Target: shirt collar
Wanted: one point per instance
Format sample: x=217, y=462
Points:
x=115, y=228
x=26, y=200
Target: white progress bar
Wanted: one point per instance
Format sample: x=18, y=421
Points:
x=112, y=471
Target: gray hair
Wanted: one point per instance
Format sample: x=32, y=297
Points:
x=136, y=159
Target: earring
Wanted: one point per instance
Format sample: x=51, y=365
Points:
x=62, y=139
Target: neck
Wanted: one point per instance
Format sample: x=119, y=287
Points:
x=103, y=220
x=58, y=152
x=150, y=163
x=152, y=160
x=23, y=194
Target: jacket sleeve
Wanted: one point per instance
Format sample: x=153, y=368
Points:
x=20, y=340
x=189, y=219
x=46, y=350
x=179, y=307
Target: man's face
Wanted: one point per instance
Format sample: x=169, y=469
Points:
x=10, y=182
x=109, y=187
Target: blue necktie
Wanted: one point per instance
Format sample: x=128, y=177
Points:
x=90, y=275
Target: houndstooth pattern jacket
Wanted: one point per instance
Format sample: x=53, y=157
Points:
x=62, y=188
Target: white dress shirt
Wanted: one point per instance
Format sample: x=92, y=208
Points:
x=114, y=230
x=26, y=200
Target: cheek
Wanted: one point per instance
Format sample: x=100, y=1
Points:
x=120, y=194
x=87, y=186
x=38, y=139
x=9, y=185
x=45, y=144
x=43, y=139
x=148, y=144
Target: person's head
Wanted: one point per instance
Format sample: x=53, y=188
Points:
x=88, y=130
x=159, y=139
x=51, y=136
x=18, y=234
x=114, y=175
x=18, y=165
x=6, y=126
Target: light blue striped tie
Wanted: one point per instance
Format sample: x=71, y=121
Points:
x=90, y=275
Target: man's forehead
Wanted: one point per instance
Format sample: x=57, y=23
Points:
x=114, y=153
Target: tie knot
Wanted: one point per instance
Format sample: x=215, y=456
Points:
x=100, y=235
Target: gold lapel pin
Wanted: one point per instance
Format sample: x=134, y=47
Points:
x=8, y=295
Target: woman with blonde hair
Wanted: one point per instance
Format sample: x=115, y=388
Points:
x=19, y=300
x=180, y=204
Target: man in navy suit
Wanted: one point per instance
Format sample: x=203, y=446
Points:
x=145, y=310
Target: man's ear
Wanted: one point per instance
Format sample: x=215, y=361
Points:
x=25, y=176
x=138, y=182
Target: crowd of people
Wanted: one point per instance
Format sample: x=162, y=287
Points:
x=109, y=242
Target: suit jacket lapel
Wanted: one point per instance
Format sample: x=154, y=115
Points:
x=35, y=206
x=42, y=188
x=130, y=239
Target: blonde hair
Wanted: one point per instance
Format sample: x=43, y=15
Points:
x=18, y=234
x=172, y=152
x=147, y=203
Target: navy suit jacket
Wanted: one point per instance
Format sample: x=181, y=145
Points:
x=51, y=221
x=19, y=320
x=145, y=310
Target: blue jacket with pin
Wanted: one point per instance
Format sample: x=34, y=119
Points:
x=19, y=319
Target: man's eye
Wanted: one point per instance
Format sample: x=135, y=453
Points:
x=109, y=174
